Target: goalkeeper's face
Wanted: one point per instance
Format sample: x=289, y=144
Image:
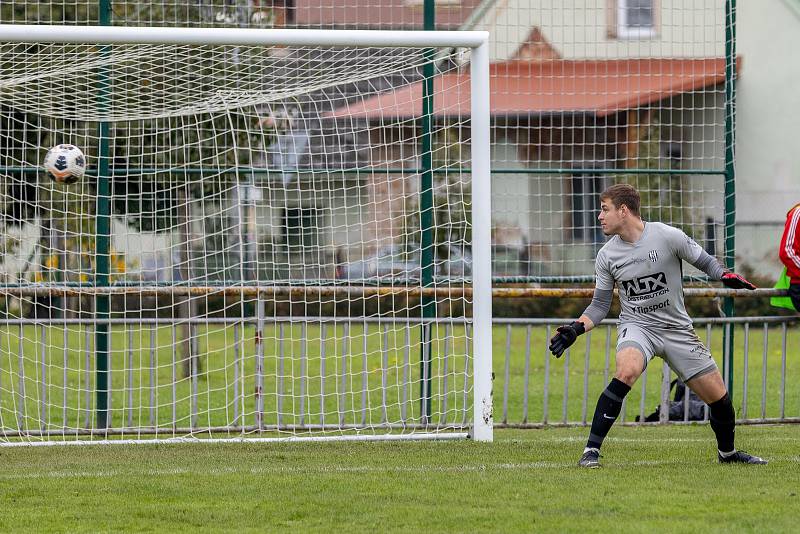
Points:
x=610, y=217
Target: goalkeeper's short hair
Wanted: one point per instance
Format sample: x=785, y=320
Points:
x=620, y=194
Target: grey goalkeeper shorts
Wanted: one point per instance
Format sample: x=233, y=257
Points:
x=680, y=348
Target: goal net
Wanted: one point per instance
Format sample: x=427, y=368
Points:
x=262, y=247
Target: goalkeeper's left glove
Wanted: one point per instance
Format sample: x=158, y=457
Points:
x=736, y=281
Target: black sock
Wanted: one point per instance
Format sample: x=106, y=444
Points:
x=723, y=422
x=608, y=407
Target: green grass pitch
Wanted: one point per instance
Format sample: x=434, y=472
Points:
x=653, y=479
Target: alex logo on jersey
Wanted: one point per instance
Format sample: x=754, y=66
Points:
x=645, y=287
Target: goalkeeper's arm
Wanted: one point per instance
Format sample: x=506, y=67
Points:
x=712, y=267
x=709, y=265
x=594, y=313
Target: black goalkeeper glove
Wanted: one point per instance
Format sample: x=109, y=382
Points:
x=565, y=336
x=736, y=281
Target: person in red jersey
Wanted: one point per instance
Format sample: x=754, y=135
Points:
x=790, y=253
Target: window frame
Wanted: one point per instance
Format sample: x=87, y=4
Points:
x=584, y=206
x=624, y=31
x=296, y=236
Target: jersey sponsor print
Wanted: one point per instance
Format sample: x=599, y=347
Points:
x=649, y=274
x=645, y=287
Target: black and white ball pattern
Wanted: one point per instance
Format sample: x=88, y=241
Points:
x=65, y=163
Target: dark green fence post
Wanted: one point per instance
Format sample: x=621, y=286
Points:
x=730, y=181
x=102, y=234
x=426, y=207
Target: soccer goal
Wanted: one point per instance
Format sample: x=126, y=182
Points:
x=280, y=235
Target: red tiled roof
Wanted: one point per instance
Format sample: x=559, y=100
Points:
x=531, y=88
x=386, y=14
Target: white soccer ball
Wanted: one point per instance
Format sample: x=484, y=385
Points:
x=65, y=164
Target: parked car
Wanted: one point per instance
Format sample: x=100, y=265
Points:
x=388, y=261
x=396, y=261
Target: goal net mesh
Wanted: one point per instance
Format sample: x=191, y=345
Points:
x=584, y=94
x=255, y=249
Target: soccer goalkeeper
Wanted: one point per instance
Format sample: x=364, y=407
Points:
x=644, y=260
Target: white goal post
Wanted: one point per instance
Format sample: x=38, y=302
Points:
x=281, y=235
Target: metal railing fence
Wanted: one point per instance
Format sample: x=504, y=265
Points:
x=46, y=374
x=533, y=389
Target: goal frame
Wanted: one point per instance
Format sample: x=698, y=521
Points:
x=476, y=41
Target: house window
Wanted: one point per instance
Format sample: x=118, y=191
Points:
x=585, y=198
x=636, y=19
x=301, y=229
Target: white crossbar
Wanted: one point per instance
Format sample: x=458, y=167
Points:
x=238, y=36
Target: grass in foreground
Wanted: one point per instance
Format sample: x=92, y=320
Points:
x=655, y=478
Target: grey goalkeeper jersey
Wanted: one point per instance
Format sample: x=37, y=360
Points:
x=649, y=275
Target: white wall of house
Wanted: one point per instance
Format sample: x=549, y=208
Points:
x=767, y=136
x=148, y=254
x=19, y=246
x=585, y=29
x=510, y=192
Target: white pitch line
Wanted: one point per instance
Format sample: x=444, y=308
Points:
x=581, y=439
x=284, y=470
x=330, y=469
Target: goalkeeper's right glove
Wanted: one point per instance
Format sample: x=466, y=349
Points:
x=565, y=336
x=736, y=281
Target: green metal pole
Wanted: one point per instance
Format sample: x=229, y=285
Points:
x=730, y=179
x=310, y=173
x=102, y=234
x=426, y=207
